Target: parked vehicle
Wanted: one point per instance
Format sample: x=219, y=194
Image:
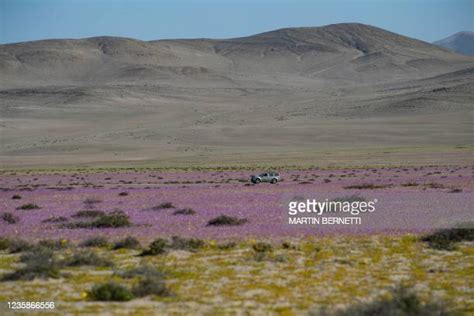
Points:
x=272, y=177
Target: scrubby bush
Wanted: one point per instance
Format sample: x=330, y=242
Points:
x=16, y=197
x=54, y=244
x=190, y=244
x=98, y=241
x=368, y=186
x=184, y=211
x=410, y=184
x=123, y=194
x=402, y=302
x=4, y=243
x=262, y=247
x=114, y=219
x=110, y=292
x=227, y=245
x=55, y=219
x=92, y=201
x=10, y=218
x=86, y=258
x=29, y=206
x=163, y=206
x=156, y=247
x=88, y=213
x=18, y=245
x=446, y=239
x=150, y=286
x=127, y=243
x=39, y=263
x=224, y=220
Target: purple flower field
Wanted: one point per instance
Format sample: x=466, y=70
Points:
x=414, y=199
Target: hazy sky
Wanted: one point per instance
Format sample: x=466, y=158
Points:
x=24, y=20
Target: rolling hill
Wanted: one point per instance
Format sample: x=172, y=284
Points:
x=290, y=94
x=461, y=42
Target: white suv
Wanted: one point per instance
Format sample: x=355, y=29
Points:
x=272, y=177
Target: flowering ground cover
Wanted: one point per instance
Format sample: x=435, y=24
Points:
x=408, y=200
x=243, y=256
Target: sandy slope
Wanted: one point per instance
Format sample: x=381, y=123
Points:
x=293, y=95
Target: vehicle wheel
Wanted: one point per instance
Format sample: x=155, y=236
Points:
x=257, y=181
x=274, y=181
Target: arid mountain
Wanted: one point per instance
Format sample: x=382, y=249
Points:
x=287, y=93
x=461, y=42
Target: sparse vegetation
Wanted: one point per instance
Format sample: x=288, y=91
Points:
x=184, y=211
x=402, y=302
x=39, y=263
x=88, y=213
x=55, y=219
x=98, y=241
x=150, y=286
x=190, y=244
x=127, y=243
x=10, y=218
x=262, y=247
x=29, y=206
x=54, y=244
x=18, y=245
x=86, y=258
x=224, y=220
x=164, y=205
x=157, y=247
x=110, y=292
x=368, y=186
x=115, y=219
x=16, y=197
x=446, y=239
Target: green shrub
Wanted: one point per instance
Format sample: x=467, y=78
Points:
x=86, y=258
x=54, y=244
x=446, y=239
x=150, y=286
x=123, y=194
x=262, y=247
x=4, y=243
x=39, y=263
x=127, y=243
x=184, y=211
x=55, y=219
x=163, y=206
x=227, y=245
x=368, y=186
x=156, y=247
x=18, y=245
x=402, y=302
x=190, y=244
x=110, y=292
x=16, y=197
x=114, y=219
x=97, y=241
x=29, y=206
x=224, y=220
x=88, y=213
x=10, y=218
